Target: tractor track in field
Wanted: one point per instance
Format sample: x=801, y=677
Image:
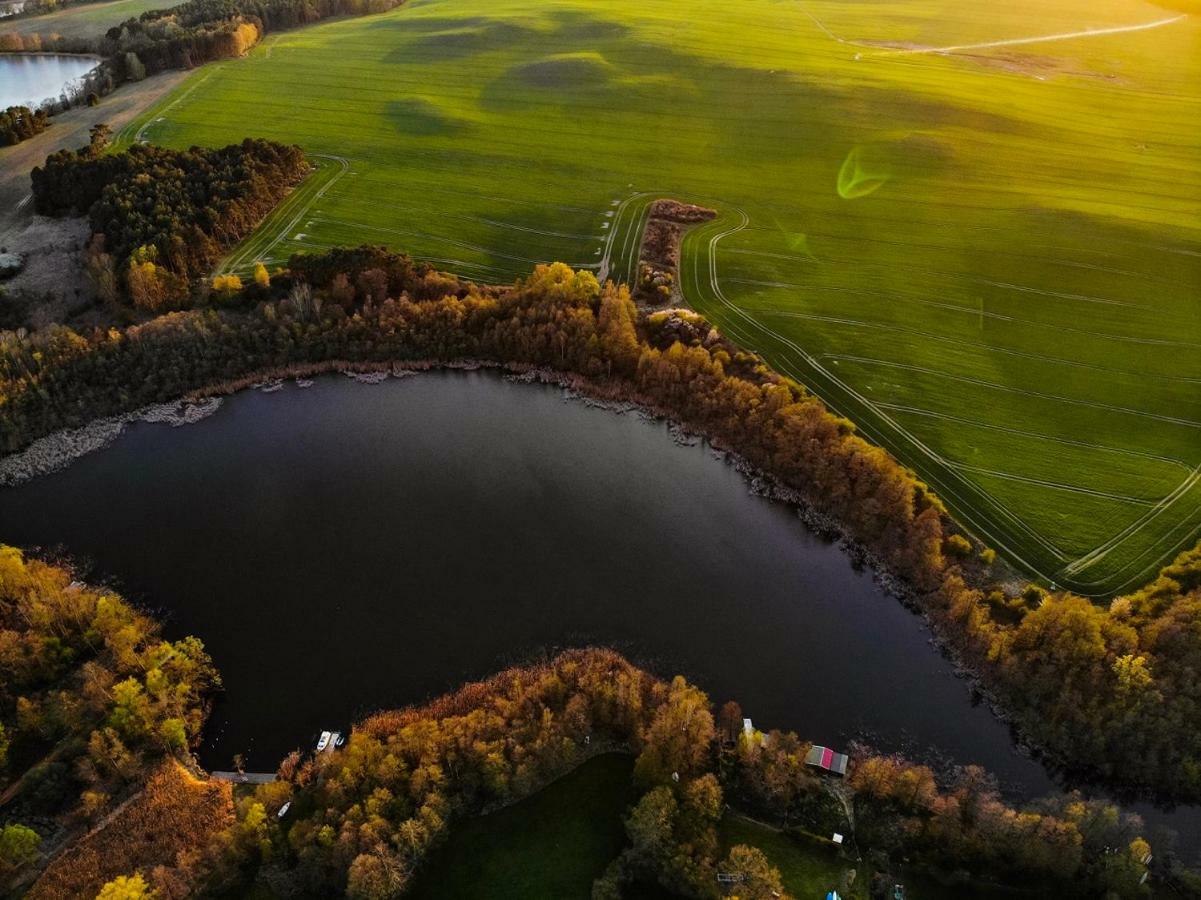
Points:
x=266, y=237
x=877, y=50
x=1005, y=429
x=128, y=134
x=940, y=477
x=465, y=245
x=1035, y=39
x=941, y=483
x=974, y=345
x=1100, y=552
x=975, y=312
x=1008, y=389
x=938, y=480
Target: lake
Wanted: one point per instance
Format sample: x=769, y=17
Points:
x=28, y=80
x=349, y=547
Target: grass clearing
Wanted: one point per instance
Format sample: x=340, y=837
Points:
x=553, y=844
x=809, y=870
x=989, y=258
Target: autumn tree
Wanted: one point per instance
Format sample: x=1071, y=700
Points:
x=757, y=879
x=128, y=887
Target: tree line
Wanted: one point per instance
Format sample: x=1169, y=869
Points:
x=160, y=217
x=1110, y=691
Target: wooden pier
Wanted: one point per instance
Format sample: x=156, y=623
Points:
x=245, y=777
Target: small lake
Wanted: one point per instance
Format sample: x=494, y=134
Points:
x=28, y=80
x=350, y=547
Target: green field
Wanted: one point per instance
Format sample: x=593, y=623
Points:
x=83, y=20
x=988, y=257
x=553, y=844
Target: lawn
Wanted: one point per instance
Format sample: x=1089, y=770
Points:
x=83, y=20
x=809, y=870
x=553, y=844
x=988, y=257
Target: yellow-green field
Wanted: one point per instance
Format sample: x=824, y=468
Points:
x=989, y=257
x=84, y=20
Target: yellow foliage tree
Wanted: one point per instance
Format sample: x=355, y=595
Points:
x=261, y=277
x=228, y=285
x=127, y=887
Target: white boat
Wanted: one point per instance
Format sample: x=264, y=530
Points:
x=283, y=810
x=323, y=741
x=335, y=740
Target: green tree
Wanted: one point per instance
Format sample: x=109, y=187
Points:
x=18, y=845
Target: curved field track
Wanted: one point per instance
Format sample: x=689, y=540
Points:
x=979, y=244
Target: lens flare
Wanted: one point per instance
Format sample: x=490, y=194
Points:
x=855, y=180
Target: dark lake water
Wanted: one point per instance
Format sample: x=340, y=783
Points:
x=29, y=80
x=350, y=547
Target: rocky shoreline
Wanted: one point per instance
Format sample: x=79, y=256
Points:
x=60, y=449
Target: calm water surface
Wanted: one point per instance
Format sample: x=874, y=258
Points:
x=350, y=547
x=29, y=80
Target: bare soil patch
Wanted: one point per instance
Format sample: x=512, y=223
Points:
x=53, y=282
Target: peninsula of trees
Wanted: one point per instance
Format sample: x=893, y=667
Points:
x=361, y=820
x=1107, y=690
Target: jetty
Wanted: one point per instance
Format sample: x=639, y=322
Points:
x=245, y=777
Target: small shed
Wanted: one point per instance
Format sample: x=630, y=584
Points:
x=826, y=759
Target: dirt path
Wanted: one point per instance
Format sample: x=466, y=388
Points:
x=1039, y=39
x=69, y=129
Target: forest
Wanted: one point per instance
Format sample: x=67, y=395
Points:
x=363, y=819
x=1107, y=691
x=161, y=217
x=19, y=123
x=98, y=714
x=92, y=699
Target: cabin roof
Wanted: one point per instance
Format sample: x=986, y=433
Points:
x=825, y=758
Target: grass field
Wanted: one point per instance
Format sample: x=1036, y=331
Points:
x=809, y=870
x=551, y=845
x=988, y=257
x=84, y=20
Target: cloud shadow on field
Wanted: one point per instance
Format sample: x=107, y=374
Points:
x=421, y=118
x=577, y=25
x=460, y=42
x=424, y=25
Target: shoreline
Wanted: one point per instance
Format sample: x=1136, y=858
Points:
x=60, y=449
x=616, y=398
x=8, y=54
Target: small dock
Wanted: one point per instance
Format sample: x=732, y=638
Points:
x=245, y=777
